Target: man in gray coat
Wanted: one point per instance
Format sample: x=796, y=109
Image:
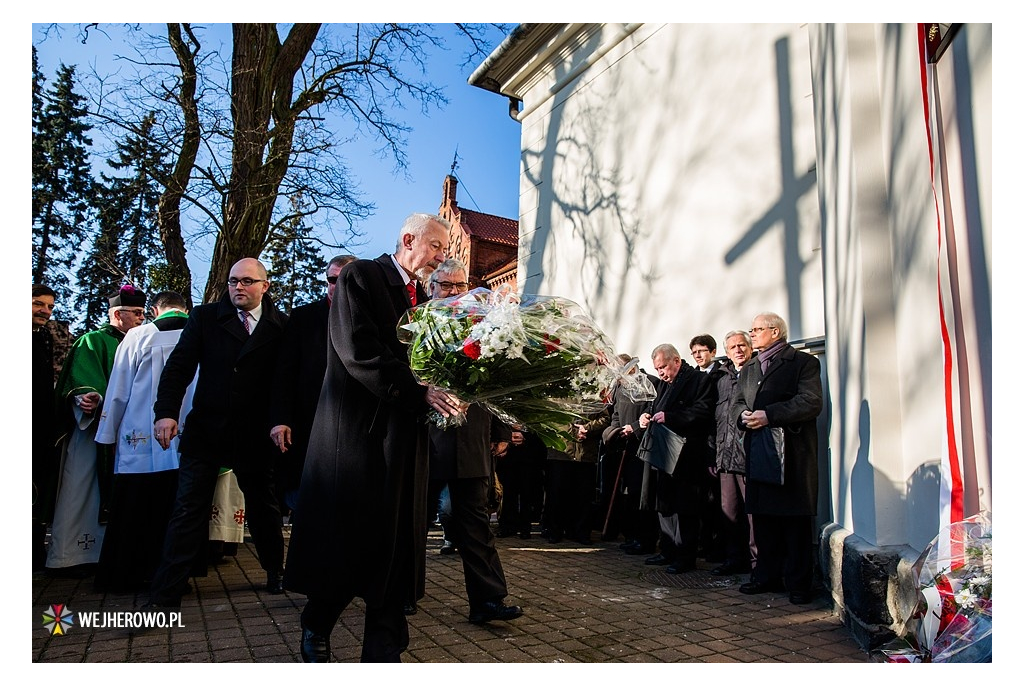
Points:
x=731, y=460
x=781, y=388
x=360, y=526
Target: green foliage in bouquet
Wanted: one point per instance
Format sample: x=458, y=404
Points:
x=534, y=361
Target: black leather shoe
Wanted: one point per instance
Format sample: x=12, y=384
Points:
x=756, y=587
x=801, y=597
x=658, y=560
x=315, y=649
x=494, y=611
x=628, y=544
x=410, y=609
x=730, y=569
x=638, y=549
x=275, y=584
x=681, y=567
x=447, y=547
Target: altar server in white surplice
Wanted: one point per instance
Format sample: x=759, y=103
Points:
x=145, y=474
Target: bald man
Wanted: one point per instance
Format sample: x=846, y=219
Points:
x=234, y=343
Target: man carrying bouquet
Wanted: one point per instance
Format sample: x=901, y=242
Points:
x=360, y=527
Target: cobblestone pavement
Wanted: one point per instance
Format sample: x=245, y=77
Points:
x=582, y=604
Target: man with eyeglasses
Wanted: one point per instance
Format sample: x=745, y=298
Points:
x=779, y=390
x=360, y=528
x=234, y=344
x=79, y=519
x=301, y=365
x=461, y=459
x=703, y=348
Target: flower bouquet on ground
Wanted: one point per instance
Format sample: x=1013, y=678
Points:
x=953, y=621
x=535, y=361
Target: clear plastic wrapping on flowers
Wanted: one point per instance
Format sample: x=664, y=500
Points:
x=535, y=361
x=953, y=620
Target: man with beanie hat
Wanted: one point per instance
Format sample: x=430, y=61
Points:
x=78, y=523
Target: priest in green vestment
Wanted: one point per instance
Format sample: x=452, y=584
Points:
x=77, y=527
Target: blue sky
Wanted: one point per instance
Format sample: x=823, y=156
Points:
x=474, y=122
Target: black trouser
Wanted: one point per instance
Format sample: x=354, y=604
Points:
x=571, y=488
x=385, y=629
x=785, y=551
x=683, y=550
x=188, y=529
x=469, y=529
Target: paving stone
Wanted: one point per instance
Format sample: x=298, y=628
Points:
x=583, y=604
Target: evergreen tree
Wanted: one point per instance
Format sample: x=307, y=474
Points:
x=38, y=156
x=127, y=247
x=296, y=266
x=62, y=183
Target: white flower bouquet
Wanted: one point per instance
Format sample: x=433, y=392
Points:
x=535, y=361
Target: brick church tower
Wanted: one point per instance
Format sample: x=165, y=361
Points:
x=487, y=244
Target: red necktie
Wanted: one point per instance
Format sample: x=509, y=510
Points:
x=411, y=287
x=245, y=321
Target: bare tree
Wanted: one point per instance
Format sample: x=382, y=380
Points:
x=248, y=134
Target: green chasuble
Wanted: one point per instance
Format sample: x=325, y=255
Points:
x=87, y=369
x=89, y=362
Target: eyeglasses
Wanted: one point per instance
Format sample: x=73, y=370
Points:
x=137, y=312
x=247, y=282
x=446, y=285
x=700, y=351
x=758, y=329
x=332, y=279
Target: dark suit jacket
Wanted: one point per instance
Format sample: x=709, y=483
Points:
x=361, y=524
x=301, y=365
x=229, y=417
x=465, y=452
x=790, y=394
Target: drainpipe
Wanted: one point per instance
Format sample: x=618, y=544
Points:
x=514, y=105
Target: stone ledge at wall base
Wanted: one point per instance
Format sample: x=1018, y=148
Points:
x=873, y=588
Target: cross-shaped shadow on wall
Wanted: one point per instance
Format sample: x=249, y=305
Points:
x=784, y=212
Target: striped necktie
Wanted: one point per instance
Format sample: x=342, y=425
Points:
x=245, y=320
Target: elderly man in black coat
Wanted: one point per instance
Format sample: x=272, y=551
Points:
x=360, y=528
x=780, y=388
x=685, y=404
x=234, y=343
x=300, y=372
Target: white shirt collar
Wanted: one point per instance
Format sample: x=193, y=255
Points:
x=256, y=313
x=405, y=276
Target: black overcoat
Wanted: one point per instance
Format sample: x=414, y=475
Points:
x=299, y=375
x=361, y=525
x=790, y=394
x=689, y=406
x=229, y=415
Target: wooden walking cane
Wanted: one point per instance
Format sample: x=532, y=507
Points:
x=615, y=488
